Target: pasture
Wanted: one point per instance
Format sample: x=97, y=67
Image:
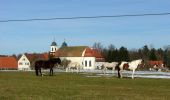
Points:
x=73, y=86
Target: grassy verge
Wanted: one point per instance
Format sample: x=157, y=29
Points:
x=73, y=86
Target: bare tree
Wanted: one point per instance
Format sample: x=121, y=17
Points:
x=98, y=45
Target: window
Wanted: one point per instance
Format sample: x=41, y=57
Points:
x=20, y=63
x=52, y=50
x=86, y=63
x=23, y=59
x=26, y=63
x=90, y=63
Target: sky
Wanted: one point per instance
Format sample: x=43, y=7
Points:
x=37, y=36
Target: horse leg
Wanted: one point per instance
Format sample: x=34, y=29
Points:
x=72, y=69
x=77, y=69
x=121, y=75
x=36, y=70
x=118, y=70
x=66, y=69
x=113, y=69
x=51, y=73
x=40, y=71
x=104, y=70
x=133, y=73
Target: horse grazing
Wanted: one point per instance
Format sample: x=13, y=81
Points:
x=74, y=65
x=129, y=65
x=107, y=65
x=50, y=63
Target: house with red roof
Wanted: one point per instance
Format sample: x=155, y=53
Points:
x=8, y=63
x=26, y=61
x=84, y=55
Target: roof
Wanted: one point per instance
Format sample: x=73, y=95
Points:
x=90, y=52
x=54, y=44
x=71, y=51
x=8, y=62
x=32, y=57
x=79, y=51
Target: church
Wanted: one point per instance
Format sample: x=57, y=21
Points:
x=87, y=57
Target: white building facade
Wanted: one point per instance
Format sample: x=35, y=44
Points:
x=24, y=63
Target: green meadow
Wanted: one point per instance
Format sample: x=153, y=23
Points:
x=73, y=86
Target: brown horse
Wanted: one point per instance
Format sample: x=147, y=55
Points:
x=50, y=63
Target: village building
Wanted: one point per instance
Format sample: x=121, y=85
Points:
x=87, y=57
x=26, y=61
x=8, y=63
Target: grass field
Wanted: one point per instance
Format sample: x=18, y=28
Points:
x=73, y=86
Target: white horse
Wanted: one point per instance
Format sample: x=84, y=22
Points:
x=74, y=65
x=107, y=65
x=129, y=65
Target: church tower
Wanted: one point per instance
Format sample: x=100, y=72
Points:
x=53, y=47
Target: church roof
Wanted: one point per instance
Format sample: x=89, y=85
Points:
x=79, y=51
x=54, y=44
x=72, y=51
x=90, y=52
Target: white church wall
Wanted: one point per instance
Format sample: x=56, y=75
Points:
x=89, y=63
x=85, y=62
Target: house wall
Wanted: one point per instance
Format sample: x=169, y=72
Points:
x=85, y=62
x=23, y=63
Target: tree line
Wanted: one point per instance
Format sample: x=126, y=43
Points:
x=113, y=54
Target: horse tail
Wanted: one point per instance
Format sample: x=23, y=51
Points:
x=118, y=69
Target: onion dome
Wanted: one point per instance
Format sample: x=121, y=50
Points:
x=53, y=44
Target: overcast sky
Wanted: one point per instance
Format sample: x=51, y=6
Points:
x=36, y=36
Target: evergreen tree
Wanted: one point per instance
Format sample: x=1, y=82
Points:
x=115, y=55
x=152, y=55
x=145, y=52
x=109, y=56
x=123, y=54
x=165, y=57
x=160, y=54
